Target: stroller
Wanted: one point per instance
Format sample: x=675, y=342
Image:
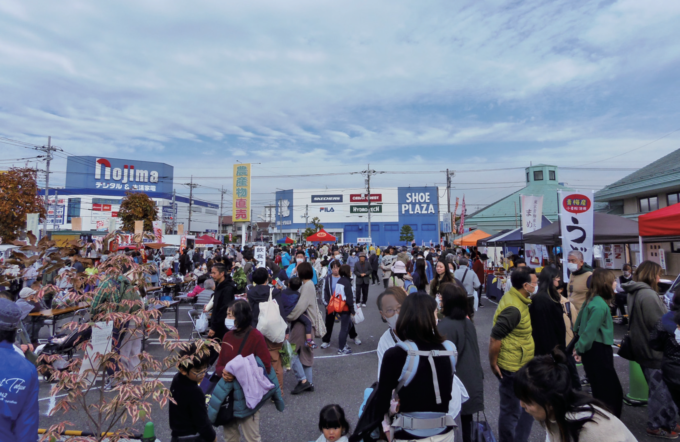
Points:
x=64, y=345
x=198, y=331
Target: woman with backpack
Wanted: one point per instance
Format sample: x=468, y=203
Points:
x=426, y=388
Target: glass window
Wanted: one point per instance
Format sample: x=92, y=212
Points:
x=538, y=175
x=73, y=209
x=351, y=228
x=375, y=227
x=414, y=227
x=429, y=227
x=196, y=209
x=527, y=177
x=648, y=204
x=391, y=227
x=673, y=198
x=551, y=175
x=106, y=201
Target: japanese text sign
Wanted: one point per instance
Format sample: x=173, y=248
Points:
x=241, y=199
x=532, y=212
x=261, y=256
x=576, y=221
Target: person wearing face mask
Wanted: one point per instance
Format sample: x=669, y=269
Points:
x=621, y=295
x=299, y=259
x=457, y=328
x=666, y=338
x=595, y=329
x=579, y=278
x=511, y=346
x=389, y=304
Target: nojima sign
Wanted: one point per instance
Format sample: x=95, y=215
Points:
x=111, y=173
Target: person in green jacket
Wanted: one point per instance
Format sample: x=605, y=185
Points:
x=595, y=329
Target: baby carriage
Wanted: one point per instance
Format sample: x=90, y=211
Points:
x=64, y=345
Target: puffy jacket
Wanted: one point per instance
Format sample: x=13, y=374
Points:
x=19, y=411
x=518, y=347
x=241, y=410
x=662, y=339
x=645, y=309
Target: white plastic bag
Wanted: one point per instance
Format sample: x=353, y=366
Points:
x=358, y=316
x=202, y=323
x=269, y=322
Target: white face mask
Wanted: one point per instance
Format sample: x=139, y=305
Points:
x=535, y=290
x=572, y=266
x=230, y=324
x=626, y=274
x=299, y=260
x=392, y=322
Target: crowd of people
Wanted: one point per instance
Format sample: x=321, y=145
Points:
x=429, y=381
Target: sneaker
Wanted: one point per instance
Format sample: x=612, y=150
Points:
x=664, y=434
x=310, y=344
x=363, y=305
x=585, y=382
x=345, y=351
x=325, y=344
x=357, y=341
x=300, y=387
x=311, y=389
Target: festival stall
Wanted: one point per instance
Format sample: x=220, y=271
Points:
x=205, y=240
x=607, y=229
x=470, y=240
x=321, y=236
x=285, y=240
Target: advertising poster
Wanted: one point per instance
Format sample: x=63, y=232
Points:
x=576, y=220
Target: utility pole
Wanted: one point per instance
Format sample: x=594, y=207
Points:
x=449, y=175
x=221, y=209
x=191, y=201
x=306, y=217
x=48, y=150
x=368, y=173
x=174, y=213
x=56, y=206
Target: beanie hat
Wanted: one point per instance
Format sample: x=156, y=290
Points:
x=10, y=315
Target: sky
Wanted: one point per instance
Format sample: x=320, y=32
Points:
x=301, y=87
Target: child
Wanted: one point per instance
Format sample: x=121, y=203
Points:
x=189, y=416
x=333, y=425
x=289, y=299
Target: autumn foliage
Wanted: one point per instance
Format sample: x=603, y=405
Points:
x=18, y=197
x=137, y=206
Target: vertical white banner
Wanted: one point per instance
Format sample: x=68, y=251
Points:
x=261, y=256
x=576, y=221
x=32, y=224
x=158, y=230
x=532, y=212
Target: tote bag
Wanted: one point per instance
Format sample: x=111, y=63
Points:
x=269, y=322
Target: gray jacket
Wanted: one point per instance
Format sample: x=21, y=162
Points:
x=645, y=309
x=360, y=268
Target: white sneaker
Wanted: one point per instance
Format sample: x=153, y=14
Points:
x=363, y=305
x=325, y=344
x=357, y=341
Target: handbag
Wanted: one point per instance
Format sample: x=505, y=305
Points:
x=226, y=411
x=336, y=304
x=481, y=431
x=202, y=323
x=269, y=321
x=626, y=346
x=358, y=316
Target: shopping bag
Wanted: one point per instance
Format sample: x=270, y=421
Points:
x=481, y=431
x=269, y=322
x=202, y=323
x=358, y=316
x=287, y=353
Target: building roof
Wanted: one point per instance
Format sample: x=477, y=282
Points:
x=661, y=174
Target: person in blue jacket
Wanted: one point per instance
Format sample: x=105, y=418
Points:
x=285, y=258
x=299, y=259
x=18, y=382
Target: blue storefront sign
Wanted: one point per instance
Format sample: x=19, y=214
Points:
x=284, y=208
x=418, y=207
x=88, y=172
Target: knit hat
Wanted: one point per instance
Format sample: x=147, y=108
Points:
x=399, y=267
x=10, y=315
x=26, y=292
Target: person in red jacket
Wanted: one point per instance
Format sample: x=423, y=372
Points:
x=478, y=268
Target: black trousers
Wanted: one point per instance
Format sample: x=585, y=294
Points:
x=330, y=322
x=362, y=293
x=385, y=282
x=374, y=277
x=675, y=393
x=466, y=424
x=598, y=363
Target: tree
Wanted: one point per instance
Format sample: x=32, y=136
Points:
x=406, y=233
x=18, y=197
x=137, y=206
x=316, y=226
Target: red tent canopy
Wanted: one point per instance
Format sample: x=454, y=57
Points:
x=321, y=236
x=662, y=222
x=208, y=240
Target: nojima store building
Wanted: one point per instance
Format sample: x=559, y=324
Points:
x=95, y=187
x=344, y=213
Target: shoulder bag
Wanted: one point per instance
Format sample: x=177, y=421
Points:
x=226, y=413
x=626, y=347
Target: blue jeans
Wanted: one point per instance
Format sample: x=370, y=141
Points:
x=302, y=372
x=514, y=424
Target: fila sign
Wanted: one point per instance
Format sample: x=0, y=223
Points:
x=86, y=172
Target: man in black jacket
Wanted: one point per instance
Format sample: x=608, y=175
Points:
x=224, y=295
x=363, y=271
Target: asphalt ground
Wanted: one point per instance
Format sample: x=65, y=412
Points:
x=337, y=380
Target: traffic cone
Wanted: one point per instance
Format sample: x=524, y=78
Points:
x=149, y=433
x=638, y=390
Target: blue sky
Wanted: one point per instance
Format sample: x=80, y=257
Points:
x=314, y=86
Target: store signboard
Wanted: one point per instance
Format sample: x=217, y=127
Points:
x=364, y=209
x=326, y=198
x=363, y=198
x=55, y=214
x=88, y=172
x=241, y=202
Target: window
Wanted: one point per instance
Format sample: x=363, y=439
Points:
x=73, y=209
x=391, y=227
x=648, y=204
x=210, y=212
x=106, y=201
x=375, y=227
x=414, y=227
x=196, y=209
x=551, y=175
x=429, y=227
x=538, y=175
x=527, y=177
x=351, y=228
x=673, y=198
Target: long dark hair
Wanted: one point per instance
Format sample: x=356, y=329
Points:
x=435, y=284
x=454, y=301
x=416, y=320
x=420, y=270
x=546, y=282
x=546, y=381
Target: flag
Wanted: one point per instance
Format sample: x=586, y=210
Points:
x=454, y=225
x=462, y=217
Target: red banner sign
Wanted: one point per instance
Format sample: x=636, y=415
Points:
x=363, y=198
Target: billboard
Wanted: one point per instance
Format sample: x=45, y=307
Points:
x=378, y=208
x=241, y=203
x=363, y=198
x=326, y=198
x=88, y=172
